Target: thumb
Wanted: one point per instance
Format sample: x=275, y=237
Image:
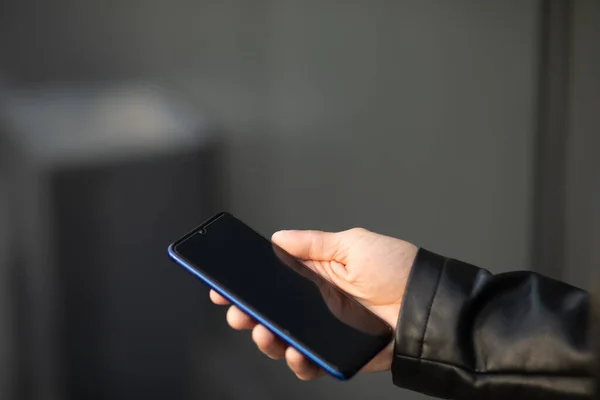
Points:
x=308, y=245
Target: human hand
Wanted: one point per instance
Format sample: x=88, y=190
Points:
x=370, y=267
x=345, y=308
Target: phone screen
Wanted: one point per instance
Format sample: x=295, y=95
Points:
x=295, y=300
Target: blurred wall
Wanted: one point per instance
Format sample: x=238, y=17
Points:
x=391, y=115
x=411, y=118
x=338, y=113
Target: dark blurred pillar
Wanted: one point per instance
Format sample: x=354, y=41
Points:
x=567, y=180
x=6, y=298
x=551, y=138
x=102, y=179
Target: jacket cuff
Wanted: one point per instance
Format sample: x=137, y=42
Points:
x=416, y=307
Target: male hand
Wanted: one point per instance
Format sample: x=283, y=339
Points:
x=371, y=267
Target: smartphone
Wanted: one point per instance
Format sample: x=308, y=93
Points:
x=301, y=308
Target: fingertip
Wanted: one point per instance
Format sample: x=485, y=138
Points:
x=301, y=366
x=280, y=236
x=262, y=336
x=238, y=320
x=294, y=359
x=217, y=298
x=268, y=343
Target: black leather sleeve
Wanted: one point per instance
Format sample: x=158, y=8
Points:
x=464, y=333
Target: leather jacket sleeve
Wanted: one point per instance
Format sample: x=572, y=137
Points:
x=464, y=333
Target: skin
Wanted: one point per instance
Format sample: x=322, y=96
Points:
x=372, y=268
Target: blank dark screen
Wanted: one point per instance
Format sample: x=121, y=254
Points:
x=289, y=295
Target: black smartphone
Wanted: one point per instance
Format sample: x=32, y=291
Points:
x=304, y=310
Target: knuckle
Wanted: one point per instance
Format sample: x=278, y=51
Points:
x=358, y=231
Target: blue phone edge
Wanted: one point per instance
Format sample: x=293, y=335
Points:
x=336, y=374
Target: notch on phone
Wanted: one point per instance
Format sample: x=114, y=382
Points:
x=202, y=229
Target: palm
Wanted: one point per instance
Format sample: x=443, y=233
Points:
x=370, y=267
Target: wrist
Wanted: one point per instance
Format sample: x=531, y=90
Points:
x=383, y=361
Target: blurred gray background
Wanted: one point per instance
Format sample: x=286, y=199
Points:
x=418, y=119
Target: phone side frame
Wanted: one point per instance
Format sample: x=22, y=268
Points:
x=258, y=318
